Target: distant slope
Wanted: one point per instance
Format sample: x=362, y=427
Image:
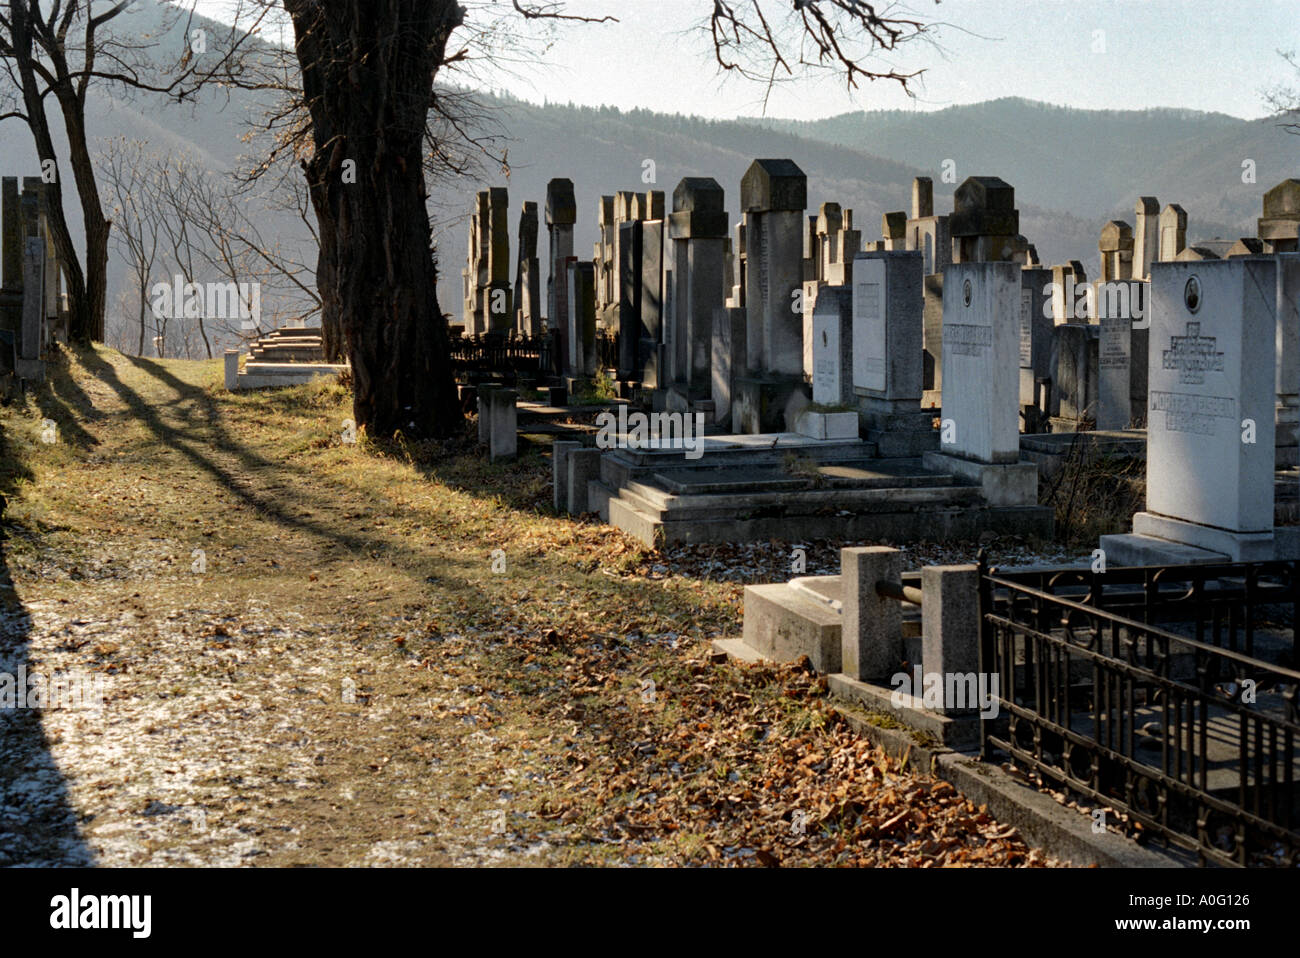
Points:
x=603, y=150
x=1094, y=163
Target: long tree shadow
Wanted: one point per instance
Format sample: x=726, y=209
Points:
x=68, y=404
x=38, y=825
x=205, y=414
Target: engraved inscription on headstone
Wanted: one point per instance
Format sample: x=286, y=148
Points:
x=967, y=340
x=1114, y=346
x=763, y=267
x=1026, y=329
x=1192, y=355
x=1189, y=413
x=826, y=363
x=869, y=317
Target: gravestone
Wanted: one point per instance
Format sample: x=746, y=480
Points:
x=729, y=357
x=832, y=415
x=1035, y=346
x=486, y=277
x=603, y=255
x=893, y=227
x=833, y=348
x=652, y=302
x=1210, y=416
x=697, y=233
x=1074, y=400
x=29, y=342
x=774, y=196
x=1287, y=416
x=932, y=341
x=1115, y=248
x=985, y=222
x=581, y=332
x=887, y=351
x=1146, y=236
x=926, y=233
x=629, y=302
x=980, y=435
x=1173, y=232
x=528, y=275
x=11, y=220
x=1280, y=224
x=561, y=215
x=1114, y=373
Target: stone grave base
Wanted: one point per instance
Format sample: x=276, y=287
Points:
x=1008, y=484
x=767, y=404
x=828, y=425
x=751, y=488
x=1161, y=540
x=898, y=428
x=264, y=375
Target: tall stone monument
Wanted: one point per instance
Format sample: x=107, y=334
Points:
x=773, y=195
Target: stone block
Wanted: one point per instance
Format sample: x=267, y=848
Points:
x=774, y=185
x=561, y=449
x=584, y=467
x=503, y=435
x=871, y=641
x=950, y=623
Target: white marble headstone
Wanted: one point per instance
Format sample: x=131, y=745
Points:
x=869, y=336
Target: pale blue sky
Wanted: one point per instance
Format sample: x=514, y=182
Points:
x=1216, y=55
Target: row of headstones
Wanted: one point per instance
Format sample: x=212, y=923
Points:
x=743, y=357
x=659, y=281
x=1100, y=348
x=33, y=309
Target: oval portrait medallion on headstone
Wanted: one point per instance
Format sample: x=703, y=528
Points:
x=965, y=292
x=1192, y=294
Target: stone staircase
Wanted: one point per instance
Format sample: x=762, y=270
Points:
x=288, y=345
x=284, y=357
x=785, y=486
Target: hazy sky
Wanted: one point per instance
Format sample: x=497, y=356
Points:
x=1099, y=54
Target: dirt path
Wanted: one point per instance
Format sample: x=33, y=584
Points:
x=315, y=652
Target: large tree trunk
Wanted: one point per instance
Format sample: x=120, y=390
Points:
x=368, y=68
x=331, y=324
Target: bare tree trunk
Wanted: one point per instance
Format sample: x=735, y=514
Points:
x=144, y=292
x=368, y=68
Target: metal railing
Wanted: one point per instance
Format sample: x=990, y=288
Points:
x=1191, y=737
x=497, y=353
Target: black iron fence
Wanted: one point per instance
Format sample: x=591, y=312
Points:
x=1168, y=694
x=499, y=354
